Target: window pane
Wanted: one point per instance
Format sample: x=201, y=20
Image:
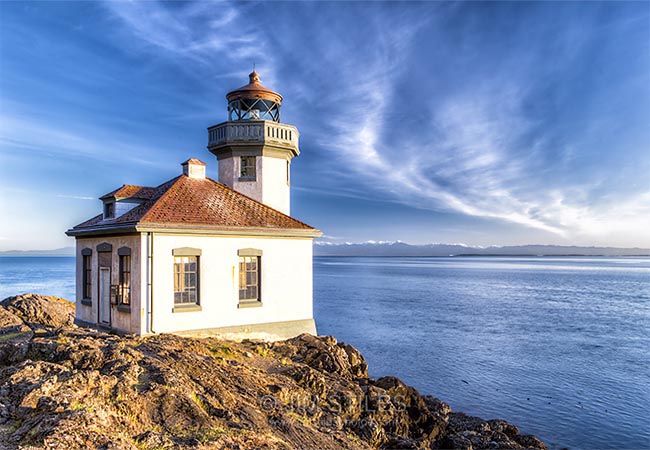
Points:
x=242, y=274
x=186, y=279
x=249, y=278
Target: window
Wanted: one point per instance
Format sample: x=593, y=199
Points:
x=86, y=275
x=125, y=280
x=109, y=210
x=288, y=173
x=247, y=171
x=186, y=280
x=249, y=278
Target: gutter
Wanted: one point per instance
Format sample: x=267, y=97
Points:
x=102, y=230
x=175, y=228
x=228, y=231
x=150, y=283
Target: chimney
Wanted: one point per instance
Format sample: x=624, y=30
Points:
x=194, y=168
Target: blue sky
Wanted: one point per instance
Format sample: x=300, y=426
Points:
x=481, y=123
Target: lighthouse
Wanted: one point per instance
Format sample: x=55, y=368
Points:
x=253, y=148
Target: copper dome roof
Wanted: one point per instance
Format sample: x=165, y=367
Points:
x=254, y=90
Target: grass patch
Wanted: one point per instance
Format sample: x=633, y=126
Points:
x=298, y=417
x=201, y=434
x=9, y=336
x=77, y=406
x=207, y=434
x=222, y=349
x=199, y=402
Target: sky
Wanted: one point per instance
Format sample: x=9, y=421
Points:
x=496, y=123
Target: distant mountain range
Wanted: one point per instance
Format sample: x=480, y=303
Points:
x=65, y=251
x=399, y=248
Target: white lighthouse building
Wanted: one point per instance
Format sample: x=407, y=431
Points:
x=204, y=257
x=253, y=148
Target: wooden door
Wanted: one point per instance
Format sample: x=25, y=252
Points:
x=105, y=295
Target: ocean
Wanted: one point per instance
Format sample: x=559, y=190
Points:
x=560, y=346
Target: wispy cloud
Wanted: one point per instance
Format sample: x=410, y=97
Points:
x=206, y=34
x=476, y=156
x=42, y=137
x=433, y=106
x=480, y=152
x=76, y=197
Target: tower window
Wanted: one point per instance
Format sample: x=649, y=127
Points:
x=247, y=169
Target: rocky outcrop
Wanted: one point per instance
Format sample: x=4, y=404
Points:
x=39, y=311
x=65, y=387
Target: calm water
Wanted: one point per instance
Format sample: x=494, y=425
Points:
x=47, y=276
x=559, y=346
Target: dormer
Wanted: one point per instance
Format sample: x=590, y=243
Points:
x=124, y=199
x=109, y=209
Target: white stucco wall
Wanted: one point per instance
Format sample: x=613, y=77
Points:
x=252, y=189
x=275, y=189
x=226, y=171
x=270, y=186
x=286, y=282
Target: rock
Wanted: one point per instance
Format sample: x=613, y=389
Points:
x=40, y=310
x=479, y=434
x=325, y=354
x=529, y=441
x=9, y=322
x=411, y=416
x=66, y=387
x=437, y=407
x=358, y=365
x=504, y=427
x=151, y=439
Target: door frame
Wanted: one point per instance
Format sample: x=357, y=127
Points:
x=99, y=296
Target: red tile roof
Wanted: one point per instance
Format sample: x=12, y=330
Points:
x=185, y=202
x=130, y=191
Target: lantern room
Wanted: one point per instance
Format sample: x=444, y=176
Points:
x=254, y=102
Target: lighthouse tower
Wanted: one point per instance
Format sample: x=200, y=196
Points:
x=253, y=148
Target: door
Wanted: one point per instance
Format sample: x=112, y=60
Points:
x=105, y=295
